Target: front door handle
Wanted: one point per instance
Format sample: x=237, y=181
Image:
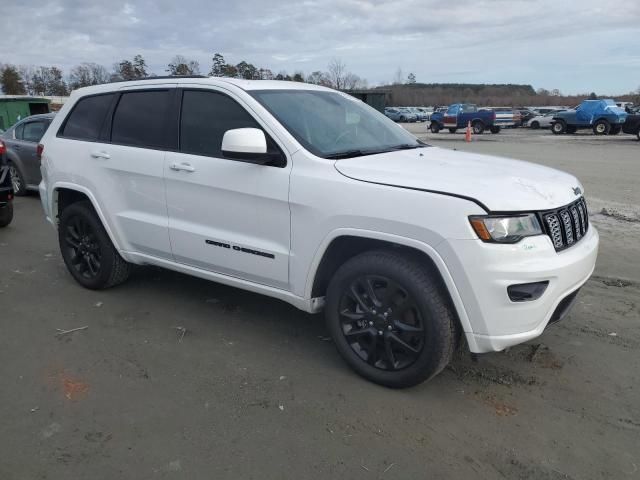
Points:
x=184, y=166
x=98, y=154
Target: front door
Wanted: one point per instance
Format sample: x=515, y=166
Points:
x=451, y=116
x=226, y=216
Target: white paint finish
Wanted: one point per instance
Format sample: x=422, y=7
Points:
x=146, y=197
x=244, y=140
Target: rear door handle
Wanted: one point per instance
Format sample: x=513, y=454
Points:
x=98, y=154
x=185, y=167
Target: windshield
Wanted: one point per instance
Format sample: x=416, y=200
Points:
x=334, y=125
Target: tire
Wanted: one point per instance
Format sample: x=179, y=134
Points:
x=638, y=135
x=535, y=125
x=17, y=180
x=427, y=330
x=478, y=127
x=87, y=250
x=558, y=127
x=6, y=214
x=453, y=130
x=403, y=119
x=571, y=129
x=494, y=129
x=601, y=127
x=615, y=129
x=434, y=127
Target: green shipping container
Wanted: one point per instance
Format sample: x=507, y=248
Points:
x=14, y=108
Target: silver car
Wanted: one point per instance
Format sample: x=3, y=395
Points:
x=543, y=121
x=22, y=144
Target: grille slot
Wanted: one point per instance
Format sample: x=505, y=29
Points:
x=567, y=225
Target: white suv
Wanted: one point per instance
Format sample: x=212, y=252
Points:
x=308, y=195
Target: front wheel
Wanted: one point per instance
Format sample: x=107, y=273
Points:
x=434, y=127
x=390, y=319
x=535, y=125
x=87, y=250
x=494, y=129
x=601, y=127
x=6, y=214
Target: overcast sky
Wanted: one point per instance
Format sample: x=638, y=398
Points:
x=574, y=45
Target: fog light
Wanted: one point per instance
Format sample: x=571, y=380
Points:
x=526, y=292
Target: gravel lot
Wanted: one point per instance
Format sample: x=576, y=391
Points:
x=255, y=390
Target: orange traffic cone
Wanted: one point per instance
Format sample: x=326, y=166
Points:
x=467, y=135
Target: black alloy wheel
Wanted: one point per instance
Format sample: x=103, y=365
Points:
x=382, y=323
x=83, y=248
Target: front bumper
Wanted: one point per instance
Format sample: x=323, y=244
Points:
x=483, y=271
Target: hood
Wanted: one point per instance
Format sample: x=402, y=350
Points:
x=499, y=184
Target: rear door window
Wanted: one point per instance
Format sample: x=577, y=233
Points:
x=33, y=131
x=87, y=117
x=140, y=119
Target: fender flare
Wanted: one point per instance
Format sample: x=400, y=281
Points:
x=425, y=248
x=52, y=203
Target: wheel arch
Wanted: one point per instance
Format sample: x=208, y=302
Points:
x=347, y=243
x=65, y=194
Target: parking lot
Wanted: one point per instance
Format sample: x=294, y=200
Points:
x=176, y=377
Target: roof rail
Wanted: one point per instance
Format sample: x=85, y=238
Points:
x=161, y=77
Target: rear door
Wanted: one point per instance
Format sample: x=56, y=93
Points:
x=30, y=133
x=117, y=144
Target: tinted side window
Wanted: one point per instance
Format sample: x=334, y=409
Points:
x=86, y=119
x=205, y=117
x=140, y=117
x=33, y=131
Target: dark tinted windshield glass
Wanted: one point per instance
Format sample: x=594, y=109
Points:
x=330, y=123
x=87, y=117
x=205, y=117
x=139, y=119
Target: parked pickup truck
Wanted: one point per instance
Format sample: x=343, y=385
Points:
x=603, y=116
x=459, y=115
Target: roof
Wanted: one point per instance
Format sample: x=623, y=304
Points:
x=247, y=85
x=22, y=98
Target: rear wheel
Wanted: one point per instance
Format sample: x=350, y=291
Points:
x=389, y=319
x=478, y=127
x=6, y=214
x=615, y=129
x=434, y=127
x=535, y=125
x=87, y=250
x=559, y=127
x=17, y=180
x=601, y=127
x=453, y=130
x=494, y=129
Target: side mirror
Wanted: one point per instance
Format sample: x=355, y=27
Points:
x=246, y=145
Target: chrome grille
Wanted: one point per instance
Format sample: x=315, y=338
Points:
x=567, y=225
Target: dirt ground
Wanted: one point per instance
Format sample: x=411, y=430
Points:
x=254, y=389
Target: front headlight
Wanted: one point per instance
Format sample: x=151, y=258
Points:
x=505, y=229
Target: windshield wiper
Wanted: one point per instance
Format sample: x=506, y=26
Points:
x=352, y=153
x=407, y=146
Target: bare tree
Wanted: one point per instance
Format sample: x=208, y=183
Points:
x=87, y=74
x=336, y=73
x=183, y=66
x=398, y=78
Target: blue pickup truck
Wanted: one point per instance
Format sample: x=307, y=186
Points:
x=459, y=115
x=603, y=116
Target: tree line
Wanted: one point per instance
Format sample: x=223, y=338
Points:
x=50, y=80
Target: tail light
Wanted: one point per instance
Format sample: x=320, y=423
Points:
x=39, y=150
x=3, y=148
